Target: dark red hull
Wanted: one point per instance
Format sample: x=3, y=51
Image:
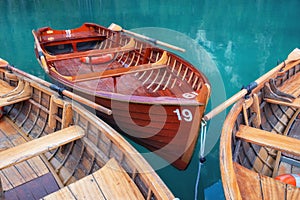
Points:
x=156, y=98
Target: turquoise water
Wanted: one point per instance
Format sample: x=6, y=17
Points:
x=232, y=42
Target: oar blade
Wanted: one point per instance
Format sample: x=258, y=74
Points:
x=115, y=27
x=3, y=63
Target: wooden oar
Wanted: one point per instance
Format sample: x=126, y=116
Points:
x=40, y=51
x=116, y=27
x=295, y=55
x=58, y=89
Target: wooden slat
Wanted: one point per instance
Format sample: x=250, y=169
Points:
x=294, y=104
x=272, y=189
x=98, y=52
x=115, y=183
x=110, y=182
x=116, y=72
x=265, y=138
x=292, y=192
x=248, y=181
x=35, y=147
x=256, y=186
x=87, y=189
x=5, y=87
x=64, y=193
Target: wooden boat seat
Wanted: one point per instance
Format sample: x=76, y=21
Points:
x=291, y=87
x=110, y=182
x=266, y=138
x=161, y=63
x=95, y=52
x=294, y=104
x=11, y=95
x=38, y=146
x=116, y=72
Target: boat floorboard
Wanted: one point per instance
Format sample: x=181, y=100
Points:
x=291, y=86
x=24, y=175
x=110, y=182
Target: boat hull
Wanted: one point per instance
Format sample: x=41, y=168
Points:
x=260, y=137
x=157, y=98
x=170, y=131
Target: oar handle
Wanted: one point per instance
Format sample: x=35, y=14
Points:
x=242, y=93
x=63, y=91
x=225, y=105
x=154, y=41
x=40, y=52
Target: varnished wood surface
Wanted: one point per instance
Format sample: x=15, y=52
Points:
x=110, y=182
x=139, y=77
x=30, y=149
x=255, y=149
x=273, y=140
x=23, y=172
x=75, y=143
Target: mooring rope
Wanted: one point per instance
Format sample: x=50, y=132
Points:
x=202, y=157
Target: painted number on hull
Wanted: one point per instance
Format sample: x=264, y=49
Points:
x=184, y=114
x=190, y=95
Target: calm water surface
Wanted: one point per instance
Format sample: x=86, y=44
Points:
x=232, y=42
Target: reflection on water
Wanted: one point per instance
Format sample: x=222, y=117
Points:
x=233, y=43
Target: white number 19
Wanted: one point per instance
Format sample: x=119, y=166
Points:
x=185, y=114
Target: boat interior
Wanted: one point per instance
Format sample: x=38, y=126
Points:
x=51, y=149
x=148, y=71
x=267, y=140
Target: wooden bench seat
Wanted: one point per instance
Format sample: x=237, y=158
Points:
x=273, y=140
x=11, y=95
x=38, y=146
x=110, y=182
x=294, y=104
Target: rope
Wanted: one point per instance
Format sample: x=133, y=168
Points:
x=202, y=158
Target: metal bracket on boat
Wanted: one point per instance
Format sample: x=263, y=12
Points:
x=59, y=90
x=249, y=89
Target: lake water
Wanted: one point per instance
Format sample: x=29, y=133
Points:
x=232, y=42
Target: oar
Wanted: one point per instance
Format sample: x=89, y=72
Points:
x=40, y=51
x=54, y=87
x=116, y=27
x=295, y=55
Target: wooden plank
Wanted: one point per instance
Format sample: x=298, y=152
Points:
x=35, y=147
x=5, y=87
x=13, y=176
x=64, y=193
x=37, y=166
x=294, y=104
x=265, y=138
x=116, y=72
x=86, y=188
x=6, y=185
x=248, y=181
x=272, y=189
x=115, y=183
x=98, y=52
x=292, y=192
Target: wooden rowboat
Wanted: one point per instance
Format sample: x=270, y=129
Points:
x=53, y=148
x=152, y=93
x=260, y=146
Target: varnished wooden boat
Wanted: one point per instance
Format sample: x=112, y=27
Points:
x=152, y=93
x=53, y=148
x=260, y=146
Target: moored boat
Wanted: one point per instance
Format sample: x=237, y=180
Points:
x=259, y=147
x=152, y=92
x=54, y=148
